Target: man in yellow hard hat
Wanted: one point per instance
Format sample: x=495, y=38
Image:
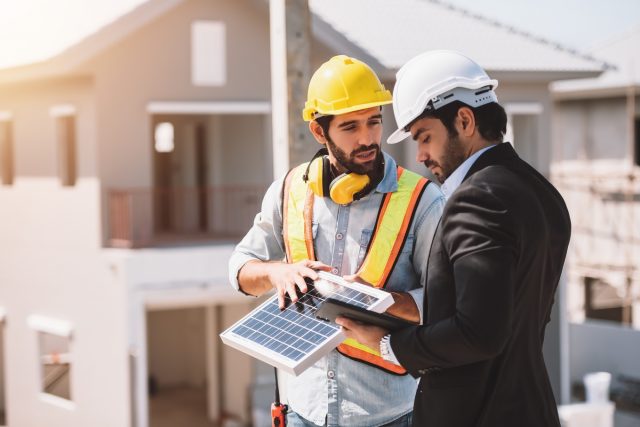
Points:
x=353, y=212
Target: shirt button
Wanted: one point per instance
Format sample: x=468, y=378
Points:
x=339, y=236
x=334, y=270
x=331, y=374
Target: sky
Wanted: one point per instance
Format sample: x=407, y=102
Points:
x=577, y=24
x=34, y=30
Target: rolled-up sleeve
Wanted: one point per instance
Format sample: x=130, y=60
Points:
x=263, y=241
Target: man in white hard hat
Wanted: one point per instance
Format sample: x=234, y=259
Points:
x=351, y=211
x=495, y=262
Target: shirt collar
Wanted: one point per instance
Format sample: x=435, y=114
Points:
x=455, y=179
x=389, y=183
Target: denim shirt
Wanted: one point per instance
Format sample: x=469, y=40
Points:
x=338, y=390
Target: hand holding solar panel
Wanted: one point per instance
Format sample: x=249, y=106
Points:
x=289, y=279
x=293, y=339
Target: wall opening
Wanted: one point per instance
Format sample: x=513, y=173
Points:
x=606, y=302
x=66, y=137
x=6, y=153
x=55, y=364
x=177, y=378
x=636, y=139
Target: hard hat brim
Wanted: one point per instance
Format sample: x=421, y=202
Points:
x=310, y=115
x=398, y=136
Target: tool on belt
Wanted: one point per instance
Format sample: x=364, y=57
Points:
x=278, y=410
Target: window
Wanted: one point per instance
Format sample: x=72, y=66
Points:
x=208, y=53
x=55, y=363
x=523, y=130
x=64, y=116
x=54, y=358
x=6, y=150
x=606, y=302
x=66, y=129
x=164, y=142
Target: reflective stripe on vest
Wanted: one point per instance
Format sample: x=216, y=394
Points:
x=297, y=217
x=390, y=232
x=391, y=228
x=354, y=350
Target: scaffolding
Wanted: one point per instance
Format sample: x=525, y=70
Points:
x=604, y=255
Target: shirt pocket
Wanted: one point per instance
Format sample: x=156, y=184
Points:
x=365, y=237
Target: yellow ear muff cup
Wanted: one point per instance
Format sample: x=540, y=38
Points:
x=318, y=176
x=343, y=188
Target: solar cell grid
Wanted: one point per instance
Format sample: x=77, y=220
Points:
x=295, y=333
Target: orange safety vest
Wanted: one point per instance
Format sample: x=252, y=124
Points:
x=392, y=224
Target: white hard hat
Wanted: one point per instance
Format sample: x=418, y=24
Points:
x=437, y=78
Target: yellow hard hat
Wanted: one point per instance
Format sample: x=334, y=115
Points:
x=342, y=85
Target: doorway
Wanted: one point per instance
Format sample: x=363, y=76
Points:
x=181, y=168
x=177, y=379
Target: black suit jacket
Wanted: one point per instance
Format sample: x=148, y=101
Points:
x=493, y=270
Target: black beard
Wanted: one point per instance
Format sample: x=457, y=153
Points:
x=348, y=161
x=452, y=158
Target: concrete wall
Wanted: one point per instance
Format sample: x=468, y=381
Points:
x=52, y=266
x=34, y=128
x=590, y=130
x=247, y=159
x=153, y=64
x=38, y=211
x=77, y=287
x=591, y=165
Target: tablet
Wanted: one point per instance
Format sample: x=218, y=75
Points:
x=332, y=308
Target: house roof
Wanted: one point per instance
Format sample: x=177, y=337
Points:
x=392, y=32
x=624, y=53
x=406, y=28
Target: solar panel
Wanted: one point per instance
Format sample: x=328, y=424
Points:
x=293, y=339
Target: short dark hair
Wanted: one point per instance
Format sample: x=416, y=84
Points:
x=491, y=119
x=324, y=122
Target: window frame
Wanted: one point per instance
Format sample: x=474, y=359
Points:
x=7, y=150
x=60, y=328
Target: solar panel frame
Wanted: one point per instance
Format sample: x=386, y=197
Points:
x=372, y=298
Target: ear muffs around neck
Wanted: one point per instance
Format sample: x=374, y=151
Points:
x=342, y=189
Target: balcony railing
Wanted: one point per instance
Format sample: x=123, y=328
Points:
x=140, y=217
